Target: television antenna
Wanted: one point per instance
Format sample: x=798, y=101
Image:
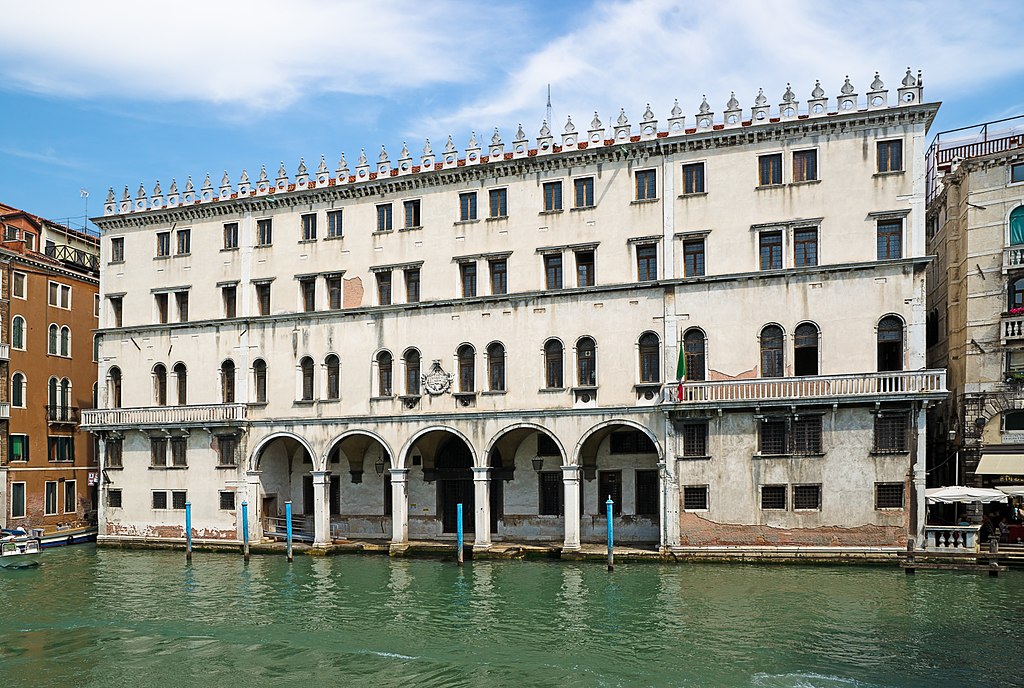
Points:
x=84, y=193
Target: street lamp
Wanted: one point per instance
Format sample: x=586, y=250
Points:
x=538, y=463
x=379, y=465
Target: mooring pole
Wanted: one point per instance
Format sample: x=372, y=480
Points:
x=611, y=534
x=911, y=558
x=458, y=520
x=993, y=554
x=188, y=531
x=245, y=532
x=288, y=527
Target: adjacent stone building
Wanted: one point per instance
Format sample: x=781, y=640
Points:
x=500, y=327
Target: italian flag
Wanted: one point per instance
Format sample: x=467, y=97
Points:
x=681, y=370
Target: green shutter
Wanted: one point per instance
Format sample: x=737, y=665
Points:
x=1017, y=226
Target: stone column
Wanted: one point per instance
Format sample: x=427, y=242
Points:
x=571, y=482
x=399, y=506
x=482, y=497
x=101, y=490
x=252, y=495
x=669, y=504
x=321, y=508
x=917, y=490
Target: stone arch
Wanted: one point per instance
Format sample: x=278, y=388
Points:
x=254, y=464
x=325, y=457
x=609, y=423
x=527, y=426
x=407, y=447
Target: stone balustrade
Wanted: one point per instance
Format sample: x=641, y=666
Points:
x=956, y=538
x=164, y=416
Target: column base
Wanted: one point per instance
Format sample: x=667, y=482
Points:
x=573, y=548
x=483, y=548
x=398, y=549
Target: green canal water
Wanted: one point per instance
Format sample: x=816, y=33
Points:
x=90, y=617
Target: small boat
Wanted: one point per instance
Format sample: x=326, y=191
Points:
x=19, y=550
x=66, y=536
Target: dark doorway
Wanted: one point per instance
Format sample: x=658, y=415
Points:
x=307, y=495
x=454, y=465
x=497, y=490
x=890, y=344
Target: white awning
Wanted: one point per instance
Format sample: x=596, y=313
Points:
x=957, y=494
x=1001, y=464
x=1012, y=490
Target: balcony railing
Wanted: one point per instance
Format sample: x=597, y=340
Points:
x=1012, y=327
x=951, y=538
x=1013, y=257
x=74, y=256
x=5, y=352
x=62, y=415
x=157, y=416
x=899, y=384
x=5, y=410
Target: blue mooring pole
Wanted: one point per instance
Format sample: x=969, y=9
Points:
x=188, y=531
x=288, y=527
x=458, y=519
x=245, y=532
x=611, y=534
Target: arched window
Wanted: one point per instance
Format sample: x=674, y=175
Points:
x=160, y=384
x=1017, y=226
x=18, y=332
x=181, y=377
x=411, y=359
x=553, y=364
x=18, y=390
x=586, y=362
x=259, y=379
x=53, y=396
x=65, y=397
x=95, y=348
x=650, y=357
x=227, y=381
x=333, y=368
x=95, y=395
x=51, y=342
x=496, y=367
x=1016, y=294
x=805, y=349
x=772, y=358
x=467, y=368
x=890, y=343
x=65, y=341
x=114, y=387
x=306, y=381
x=694, y=343
x=384, y=361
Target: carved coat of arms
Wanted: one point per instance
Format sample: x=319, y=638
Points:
x=436, y=381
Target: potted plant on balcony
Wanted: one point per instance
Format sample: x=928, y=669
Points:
x=1014, y=376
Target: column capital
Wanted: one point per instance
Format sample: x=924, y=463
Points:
x=320, y=477
x=481, y=473
x=570, y=472
x=399, y=475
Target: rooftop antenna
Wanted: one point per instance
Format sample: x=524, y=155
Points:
x=549, y=121
x=84, y=193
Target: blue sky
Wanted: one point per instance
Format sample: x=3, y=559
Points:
x=114, y=93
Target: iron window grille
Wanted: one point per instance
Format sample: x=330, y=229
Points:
x=891, y=433
x=695, y=439
x=773, y=497
x=889, y=495
x=806, y=497
x=695, y=498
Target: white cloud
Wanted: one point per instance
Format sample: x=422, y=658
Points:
x=258, y=53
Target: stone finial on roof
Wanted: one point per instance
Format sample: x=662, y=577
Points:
x=847, y=87
x=427, y=159
x=362, y=167
x=622, y=119
x=878, y=96
x=473, y=150
x=789, y=96
x=705, y=118
x=243, y=183
x=877, y=84
x=545, y=141
x=818, y=103
x=157, y=191
x=676, y=123
x=383, y=162
x=189, y=186
x=189, y=195
x=909, y=80
x=302, y=166
x=570, y=128
x=759, y=113
x=245, y=177
x=911, y=90
x=110, y=195
x=282, y=176
x=495, y=137
x=110, y=205
x=733, y=113
x=520, y=144
x=405, y=151
x=818, y=91
x=126, y=196
x=648, y=114
x=301, y=175
x=225, y=180
x=142, y=191
x=789, y=108
x=206, y=193
x=361, y=160
x=342, y=173
x=322, y=167
x=323, y=175
x=676, y=110
x=404, y=160
x=156, y=199
x=449, y=146
x=473, y=143
x=847, y=99
x=450, y=156
x=497, y=148
x=126, y=201
x=596, y=122
x=140, y=198
x=569, y=135
x=595, y=135
x=545, y=130
x=648, y=125
x=733, y=103
x=383, y=157
x=761, y=99
x=704, y=108
x=621, y=128
x=520, y=134
x=174, y=186
x=172, y=193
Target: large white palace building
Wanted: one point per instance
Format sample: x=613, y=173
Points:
x=501, y=328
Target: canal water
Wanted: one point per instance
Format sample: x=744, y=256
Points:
x=89, y=617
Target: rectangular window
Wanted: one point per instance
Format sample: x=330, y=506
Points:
x=498, y=202
x=890, y=156
x=499, y=276
x=693, y=178
x=647, y=493
x=609, y=485
x=184, y=242
x=178, y=499
x=773, y=496
x=17, y=447
x=1017, y=173
x=693, y=258
x=114, y=450
x=161, y=307
x=309, y=227
x=114, y=498
x=551, y=493
x=60, y=295
x=263, y=297
x=334, y=218
x=467, y=206
x=61, y=448
x=552, y=196
x=181, y=298
x=158, y=451
x=695, y=498
x=116, y=310
x=307, y=289
x=807, y=497
x=806, y=435
x=117, y=250
x=163, y=244
x=553, y=271
x=891, y=432
x=769, y=169
x=333, y=291
x=18, y=285
x=384, y=288
x=227, y=449
x=467, y=273
x=412, y=213
x=584, y=268
x=889, y=495
x=229, y=294
x=646, y=185
x=159, y=499
x=264, y=232
x=584, y=189
x=412, y=285
x=384, y=219
x=805, y=247
x=227, y=500
x=773, y=438
x=230, y=235
x=70, y=497
x=17, y=500
x=695, y=440
x=805, y=166
x=890, y=239
x=647, y=263
x=50, y=498
x=770, y=250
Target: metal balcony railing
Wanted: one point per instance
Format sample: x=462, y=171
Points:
x=74, y=256
x=157, y=416
x=58, y=415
